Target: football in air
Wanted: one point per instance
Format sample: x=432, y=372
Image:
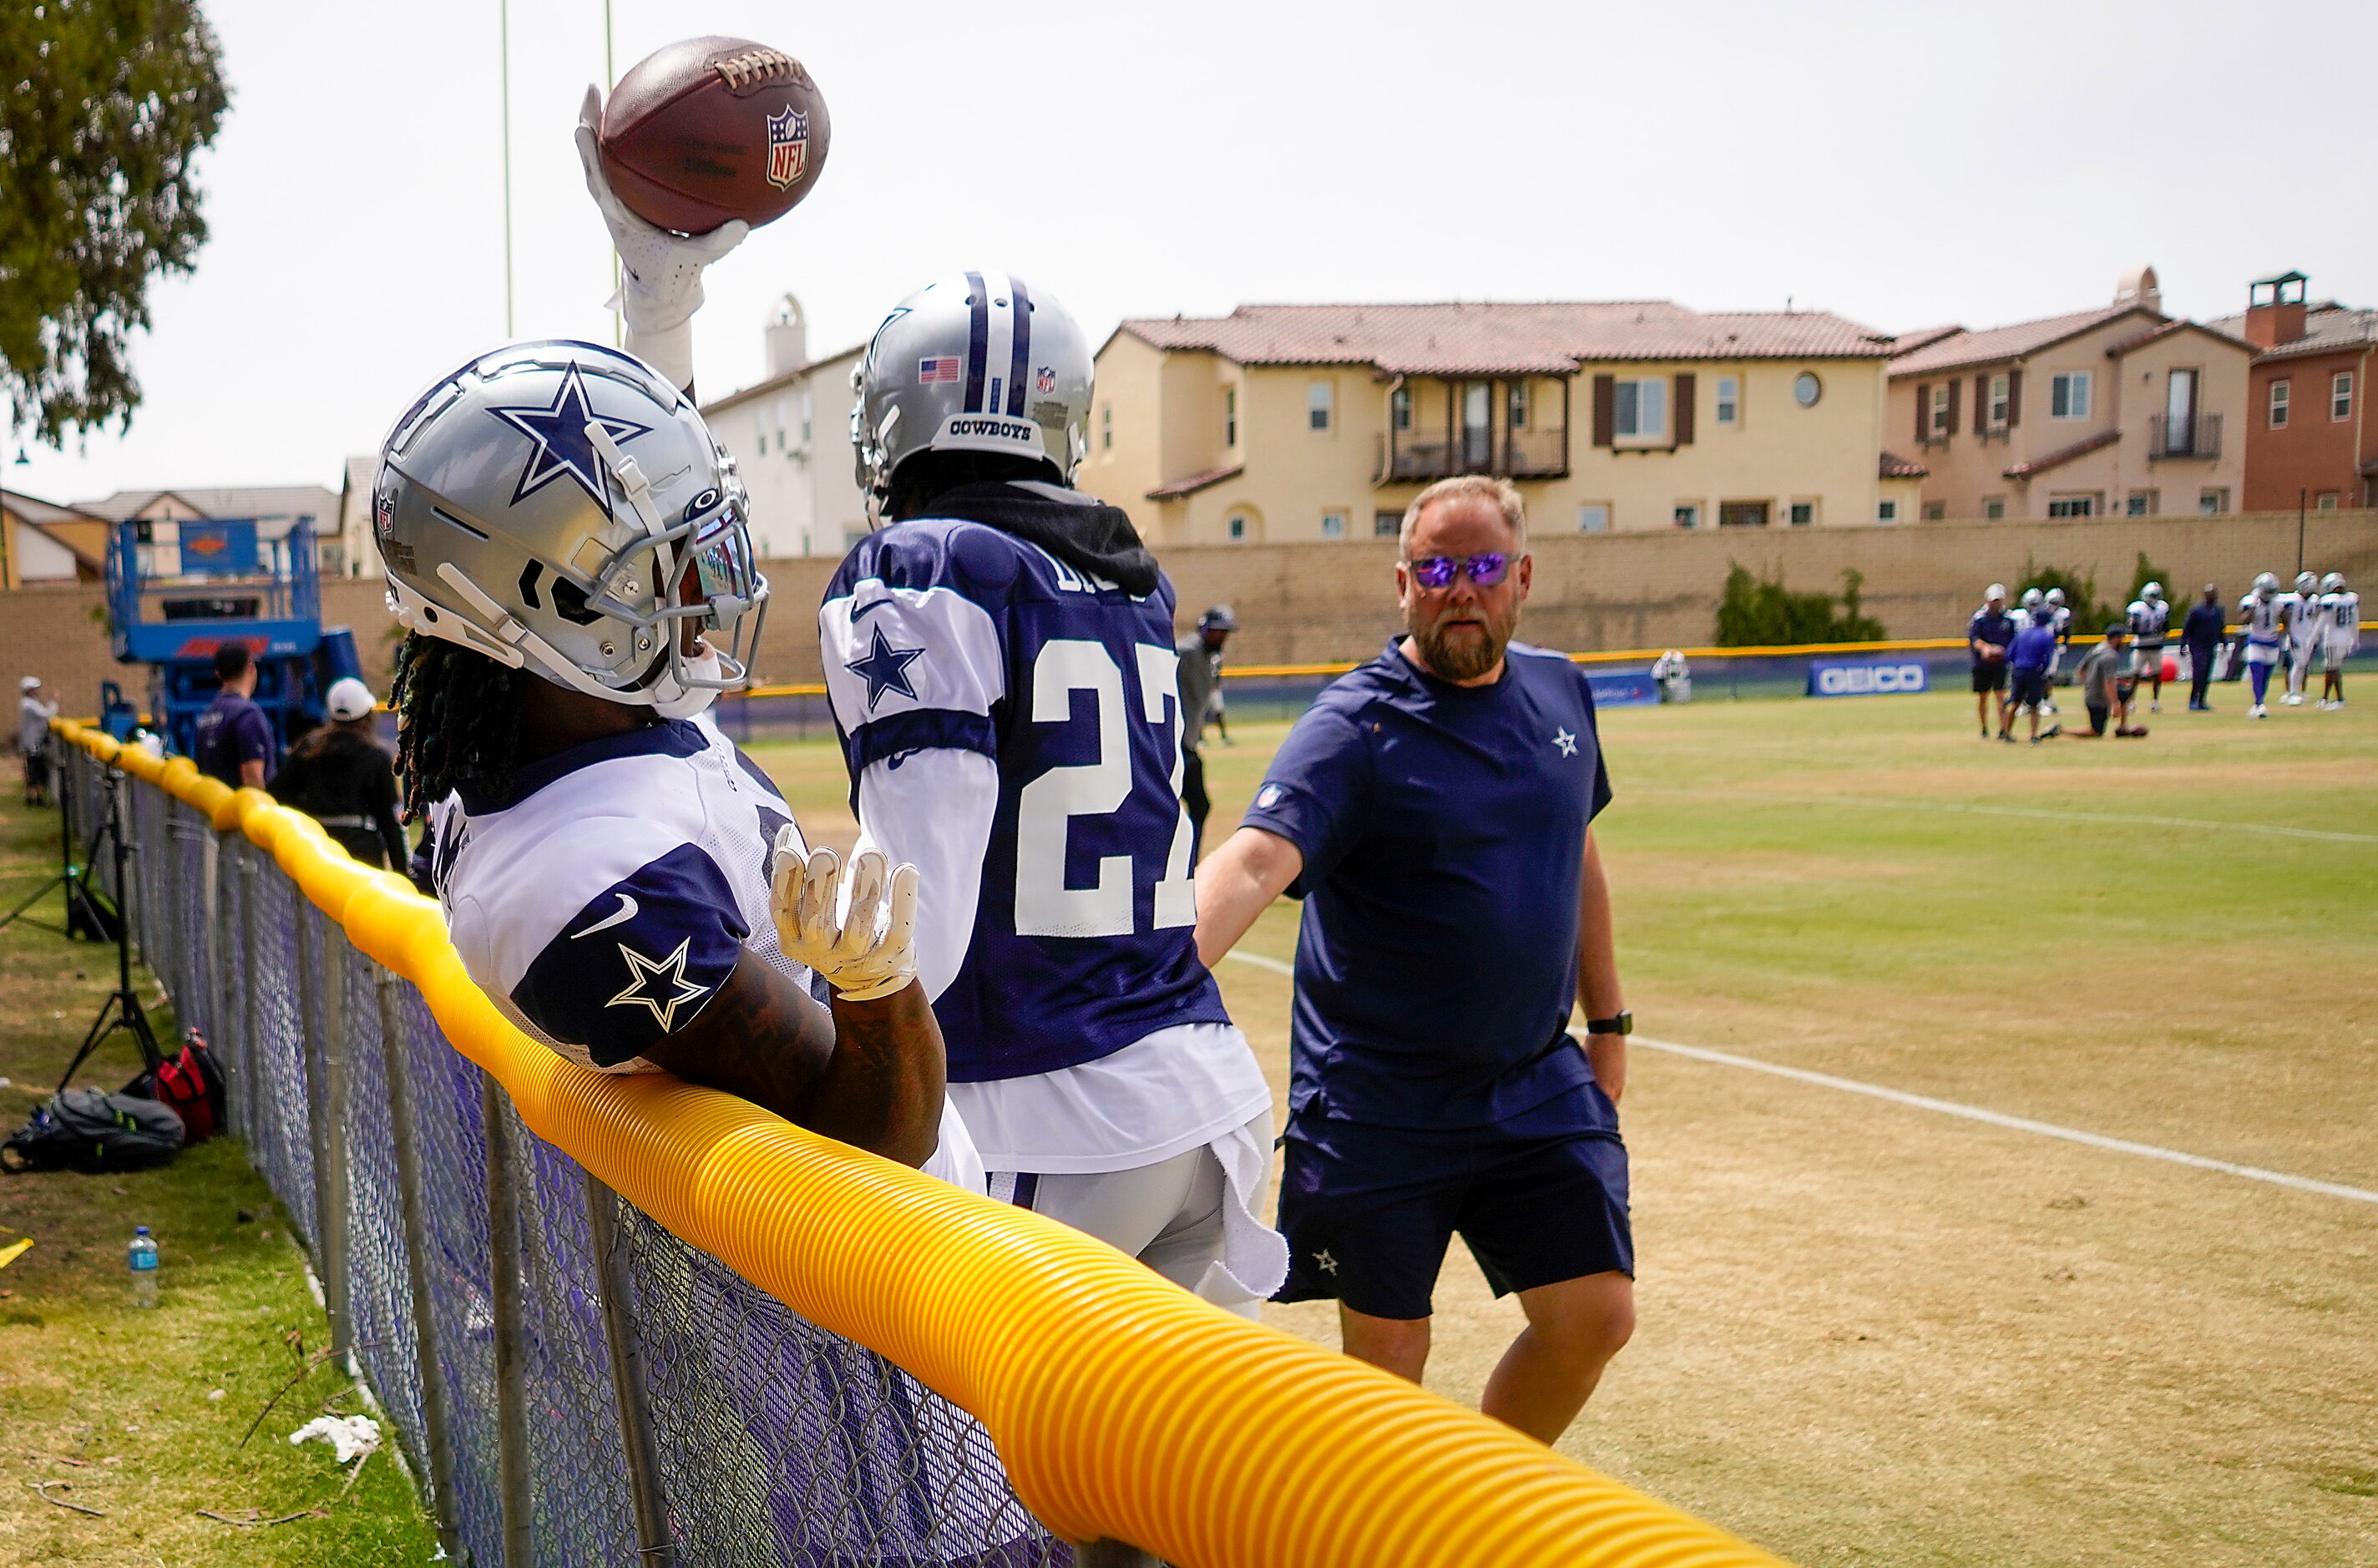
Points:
x=711, y=130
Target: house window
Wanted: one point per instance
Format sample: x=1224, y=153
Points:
x=1994, y=508
x=1317, y=397
x=1934, y=511
x=2212, y=503
x=2142, y=503
x=2001, y=400
x=1688, y=514
x=2068, y=395
x=2326, y=501
x=806, y=412
x=1641, y=409
x=1937, y=422
x=1515, y=406
x=2340, y=395
x=1729, y=399
x=1886, y=511
x=2279, y=403
x=1231, y=420
x=2072, y=506
x=1399, y=407
x=1333, y=525
x=1236, y=528
x=1106, y=428
x=1803, y=513
x=1742, y=514
x=1594, y=517
x=1807, y=388
x=1385, y=524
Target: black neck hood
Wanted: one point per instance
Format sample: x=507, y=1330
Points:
x=1082, y=532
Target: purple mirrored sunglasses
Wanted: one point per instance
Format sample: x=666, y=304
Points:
x=1485, y=570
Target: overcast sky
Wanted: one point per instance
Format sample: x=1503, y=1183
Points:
x=1901, y=165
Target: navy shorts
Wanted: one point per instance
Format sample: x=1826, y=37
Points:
x=1991, y=677
x=1368, y=1210
x=2030, y=687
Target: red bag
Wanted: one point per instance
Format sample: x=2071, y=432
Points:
x=190, y=1084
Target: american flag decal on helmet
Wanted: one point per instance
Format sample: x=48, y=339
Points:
x=789, y=148
x=940, y=367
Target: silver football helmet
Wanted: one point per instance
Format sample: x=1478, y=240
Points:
x=2033, y=598
x=559, y=505
x=2265, y=584
x=2307, y=584
x=2152, y=593
x=2056, y=597
x=2332, y=583
x=976, y=362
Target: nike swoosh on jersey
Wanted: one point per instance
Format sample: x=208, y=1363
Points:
x=626, y=912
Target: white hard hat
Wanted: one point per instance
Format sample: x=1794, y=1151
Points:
x=31, y=683
x=348, y=699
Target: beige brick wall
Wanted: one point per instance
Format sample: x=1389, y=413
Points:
x=1319, y=602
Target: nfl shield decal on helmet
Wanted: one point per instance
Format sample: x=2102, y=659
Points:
x=789, y=148
x=1044, y=381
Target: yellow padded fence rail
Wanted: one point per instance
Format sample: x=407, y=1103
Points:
x=1124, y=1408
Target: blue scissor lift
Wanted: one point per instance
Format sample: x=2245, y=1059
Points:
x=243, y=579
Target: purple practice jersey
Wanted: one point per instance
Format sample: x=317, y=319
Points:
x=940, y=633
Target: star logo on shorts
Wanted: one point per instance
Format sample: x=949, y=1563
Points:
x=1565, y=741
x=885, y=668
x=659, y=985
x=1324, y=1263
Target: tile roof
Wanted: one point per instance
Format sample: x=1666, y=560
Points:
x=2328, y=328
x=2062, y=455
x=1547, y=337
x=35, y=511
x=259, y=500
x=1896, y=467
x=2137, y=340
x=1960, y=349
x=1175, y=489
x=1908, y=342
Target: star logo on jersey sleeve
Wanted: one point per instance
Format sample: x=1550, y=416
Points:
x=1565, y=741
x=885, y=668
x=658, y=985
x=560, y=444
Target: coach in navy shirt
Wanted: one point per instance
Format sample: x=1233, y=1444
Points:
x=1987, y=634
x=234, y=741
x=1433, y=810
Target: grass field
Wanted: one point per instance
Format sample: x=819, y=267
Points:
x=1872, y=1333
x=139, y=1414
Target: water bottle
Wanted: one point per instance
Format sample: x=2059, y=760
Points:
x=142, y=1260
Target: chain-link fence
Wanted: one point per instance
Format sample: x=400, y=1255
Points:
x=569, y=1381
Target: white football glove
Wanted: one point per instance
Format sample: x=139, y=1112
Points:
x=660, y=271
x=865, y=951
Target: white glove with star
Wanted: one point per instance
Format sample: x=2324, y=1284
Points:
x=866, y=951
x=660, y=270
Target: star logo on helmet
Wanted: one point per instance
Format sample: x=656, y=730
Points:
x=560, y=444
x=885, y=668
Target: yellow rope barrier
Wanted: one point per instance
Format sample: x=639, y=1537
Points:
x=1123, y=1406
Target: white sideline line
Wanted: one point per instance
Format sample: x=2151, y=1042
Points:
x=1970, y=1113
x=2045, y=814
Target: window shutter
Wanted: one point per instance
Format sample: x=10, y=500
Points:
x=1981, y=403
x=1605, y=409
x=1684, y=414
x=1923, y=412
x=1955, y=387
x=2014, y=398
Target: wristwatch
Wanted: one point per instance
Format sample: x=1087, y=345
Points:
x=1618, y=1024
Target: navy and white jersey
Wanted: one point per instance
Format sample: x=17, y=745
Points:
x=2342, y=620
x=941, y=634
x=2263, y=618
x=1443, y=832
x=1996, y=629
x=2148, y=622
x=605, y=898
x=2301, y=613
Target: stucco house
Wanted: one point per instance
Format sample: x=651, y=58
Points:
x=2310, y=439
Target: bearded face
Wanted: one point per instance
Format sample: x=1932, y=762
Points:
x=1460, y=629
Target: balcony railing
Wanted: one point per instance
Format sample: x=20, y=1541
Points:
x=2195, y=436
x=1516, y=454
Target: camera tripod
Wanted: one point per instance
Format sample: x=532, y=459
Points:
x=122, y=1010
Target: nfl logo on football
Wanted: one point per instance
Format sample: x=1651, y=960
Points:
x=789, y=148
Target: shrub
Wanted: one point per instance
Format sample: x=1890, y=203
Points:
x=1760, y=612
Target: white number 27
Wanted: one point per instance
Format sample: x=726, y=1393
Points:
x=1045, y=906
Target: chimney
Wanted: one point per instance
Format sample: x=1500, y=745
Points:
x=2275, y=310
x=788, y=337
x=2139, y=287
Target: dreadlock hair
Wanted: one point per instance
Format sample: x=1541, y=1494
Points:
x=457, y=719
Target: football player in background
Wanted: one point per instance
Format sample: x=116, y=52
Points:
x=1001, y=659
x=563, y=540
x=2263, y=615
x=2304, y=625
x=2059, y=620
x=2150, y=620
x=2340, y=635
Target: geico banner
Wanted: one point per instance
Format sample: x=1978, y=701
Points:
x=1866, y=678
x=1612, y=689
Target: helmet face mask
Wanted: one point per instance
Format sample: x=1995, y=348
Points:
x=518, y=513
x=974, y=363
x=2152, y=593
x=2265, y=584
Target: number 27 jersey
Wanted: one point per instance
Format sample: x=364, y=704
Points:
x=939, y=633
